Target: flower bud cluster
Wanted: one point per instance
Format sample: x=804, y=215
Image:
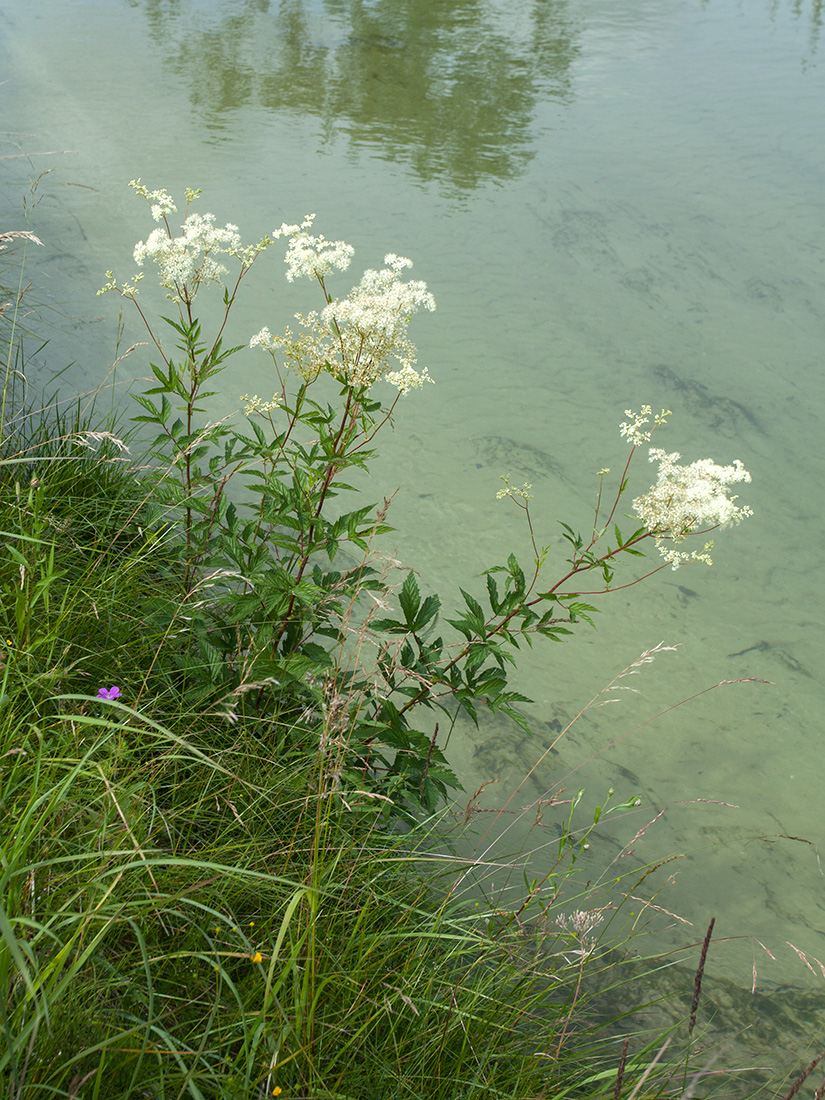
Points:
x=254, y=404
x=633, y=430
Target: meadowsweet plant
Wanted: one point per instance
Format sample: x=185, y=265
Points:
x=280, y=585
x=216, y=695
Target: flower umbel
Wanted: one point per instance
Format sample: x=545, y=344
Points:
x=686, y=499
x=354, y=338
x=189, y=260
x=312, y=257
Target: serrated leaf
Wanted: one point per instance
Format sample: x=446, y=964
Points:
x=511, y=712
x=553, y=632
x=163, y=378
x=427, y=612
x=409, y=599
x=476, y=616
x=516, y=572
x=492, y=592
x=389, y=626
x=476, y=657
x=463, y=626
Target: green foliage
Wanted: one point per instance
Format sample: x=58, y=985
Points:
x=266, y=608
x=254, y=519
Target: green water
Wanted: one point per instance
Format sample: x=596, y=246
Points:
x=614, y=202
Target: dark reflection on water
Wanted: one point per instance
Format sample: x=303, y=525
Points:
x=447, y=87
x=813, y=10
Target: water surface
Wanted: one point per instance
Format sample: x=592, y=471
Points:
x=614, y=202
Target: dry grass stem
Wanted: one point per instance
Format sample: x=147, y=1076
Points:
x=802, y=1078
x=617, y=1091
x=697, y=983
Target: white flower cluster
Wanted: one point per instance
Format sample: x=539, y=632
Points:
x=633, y=430
x=312, y=257
x=581, y=924
x=370, y=326
x=511, y=491
x=263, y=339
x=255, y=405
x=188, y=261
x=686, y=499
x=356, y=337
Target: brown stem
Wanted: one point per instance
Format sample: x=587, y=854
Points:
x=799, y=1082
x=622, y=480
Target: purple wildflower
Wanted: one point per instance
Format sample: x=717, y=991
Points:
x=108, y=693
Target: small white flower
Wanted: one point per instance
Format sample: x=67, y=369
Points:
x=511, y=491
x=262, y=339
x=407, y=379
x=255, y=405
x=397, y=263
x=161, y=202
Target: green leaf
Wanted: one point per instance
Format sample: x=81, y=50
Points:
x=428, y=611
x=571, y=536
x=516, y=572
x=409, y=599
x=511, y=712
x=492, y=593
x=554, y=633
x=476, y=616
x=477, y=656
x=580, y=611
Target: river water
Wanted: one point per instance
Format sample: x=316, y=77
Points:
x=615, y=202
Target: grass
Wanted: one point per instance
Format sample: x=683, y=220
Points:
x=187, y=908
